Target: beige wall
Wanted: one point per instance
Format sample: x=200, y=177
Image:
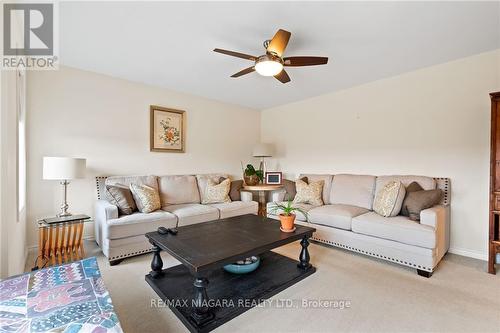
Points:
x=106, y=120
x=433, y=121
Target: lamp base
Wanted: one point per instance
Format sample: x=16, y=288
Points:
x=262, y=167
x=64, y=214
x=64, y=206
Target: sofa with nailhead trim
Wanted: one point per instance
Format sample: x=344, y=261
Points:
x=347, y=220
x=122, y=236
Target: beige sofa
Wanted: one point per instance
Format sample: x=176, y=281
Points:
x=123, y=236
x=346, y=220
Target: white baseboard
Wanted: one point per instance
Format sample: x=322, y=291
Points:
x=469, y=253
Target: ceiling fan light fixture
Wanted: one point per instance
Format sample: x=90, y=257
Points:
x=269, y=65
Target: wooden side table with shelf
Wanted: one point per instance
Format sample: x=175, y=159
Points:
x=262, y=189
x=60, y=240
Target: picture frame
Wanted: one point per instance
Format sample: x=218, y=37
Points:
x=167, y=131
x=274, y=178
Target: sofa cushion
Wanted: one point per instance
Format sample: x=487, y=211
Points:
x=427, y=183
x=335, y=215
x=120, y=196
x=202, y=181
x=389, y=199
x=150, y=181
x=217, y=192
x=326, y=186
x=236, y=208
x=137, y=224
x=354, y=190
x=178, y=190
x=399, y=228
x=299, y=215
x=192, y=213
x=146, y=198
x=309, y=193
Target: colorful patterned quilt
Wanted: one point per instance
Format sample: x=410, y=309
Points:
x=68, y=298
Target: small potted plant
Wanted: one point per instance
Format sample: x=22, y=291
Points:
x=287, y=217
x=251, y=176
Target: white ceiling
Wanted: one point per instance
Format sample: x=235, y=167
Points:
x=170, y=44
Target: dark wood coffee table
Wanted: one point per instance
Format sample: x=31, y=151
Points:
x=203, y=249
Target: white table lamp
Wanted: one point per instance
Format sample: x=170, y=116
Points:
x=263, y=150
x=63, y=169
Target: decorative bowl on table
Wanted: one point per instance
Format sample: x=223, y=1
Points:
x=243, y=266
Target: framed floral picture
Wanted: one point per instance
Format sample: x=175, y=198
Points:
x=167, y=129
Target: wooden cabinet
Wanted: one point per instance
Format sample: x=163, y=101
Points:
x=494, y=230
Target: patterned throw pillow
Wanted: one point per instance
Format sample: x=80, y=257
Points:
x=146, y=198
x=389, y=199
x=217, y=193
x=309, y=193
x=234, y=191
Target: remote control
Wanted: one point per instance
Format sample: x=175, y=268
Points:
x=162, y=230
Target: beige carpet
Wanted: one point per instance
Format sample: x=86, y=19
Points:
x=384, y=297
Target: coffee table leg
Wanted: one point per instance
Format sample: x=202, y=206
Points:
x=201, y=312
x=156, y=263
x=304, y=255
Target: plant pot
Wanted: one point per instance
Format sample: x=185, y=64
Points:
x=251, y=180
x=287, y=221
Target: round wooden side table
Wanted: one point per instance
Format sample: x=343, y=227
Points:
x=262, y=189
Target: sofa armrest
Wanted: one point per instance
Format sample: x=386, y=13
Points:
x=104, y=211
x=433, y=217
x=246, y=196
x=278, y=195
x=438, y=217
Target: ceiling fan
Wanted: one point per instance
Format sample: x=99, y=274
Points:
x=271, y=63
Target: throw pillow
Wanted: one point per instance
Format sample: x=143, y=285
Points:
x=413, y=187
x=420, y=200
x=389, y=199
x=290, y=188
x=146, y=198
x=217, y=193
x=309, y=193
x=120, y=196
x=234, y=191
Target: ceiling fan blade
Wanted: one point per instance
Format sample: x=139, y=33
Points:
x=236, y=54
x=279, y=42
x=245, y=71
x=305, y=61
x=283, y=76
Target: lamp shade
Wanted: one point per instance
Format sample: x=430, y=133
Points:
x=63, y=168
x=263, y=150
